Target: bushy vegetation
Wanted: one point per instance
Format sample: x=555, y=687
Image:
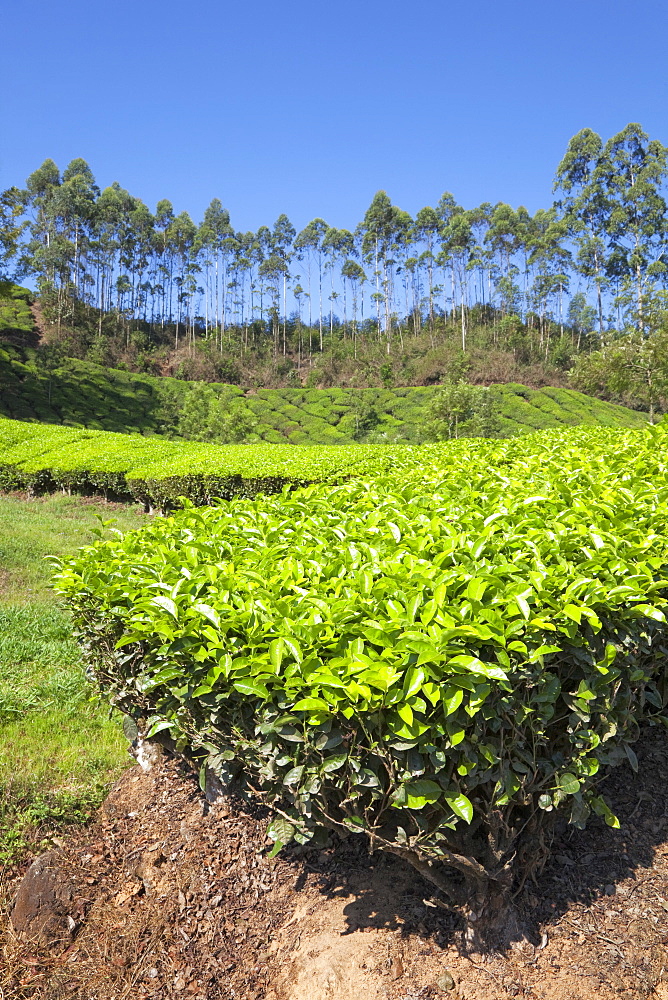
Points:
x=118, y=280
x=443, y=654
x=156, y=472
x=40, y=386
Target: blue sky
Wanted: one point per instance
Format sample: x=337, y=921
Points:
x=309, y=108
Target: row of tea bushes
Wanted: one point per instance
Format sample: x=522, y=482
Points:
x=78, y=393
x=156, y=471
x=15, y=313
x=443, y=654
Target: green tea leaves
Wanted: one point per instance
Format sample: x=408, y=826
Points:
x=167, y=603
x=461, y=806
x=251, y=687
x=471, y=626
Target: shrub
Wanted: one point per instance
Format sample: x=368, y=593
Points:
x=461, y=410
x=442, y=656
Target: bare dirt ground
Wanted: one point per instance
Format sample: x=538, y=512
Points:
x=164, y=896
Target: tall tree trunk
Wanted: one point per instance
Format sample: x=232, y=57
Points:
x=641, y=315
x=320, y=296
x=285, y=310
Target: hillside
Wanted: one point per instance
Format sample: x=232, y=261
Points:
x=41, y=387
x=17, y=317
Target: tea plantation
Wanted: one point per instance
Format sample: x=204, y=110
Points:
x=43, y=458
x=82, y=394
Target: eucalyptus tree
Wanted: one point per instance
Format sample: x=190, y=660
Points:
x=382, y=231
x=631, y=170
x=181, y=233
x=338, y=244
x=75, y=206
x=12, y=206
x=131, y=247
x=42, y=189
x=525, y=230
x=46, y=257
x=311, y=240
x=121, y=248
x=203, y=253
x=263, y=249
x=481, y=254
x=228, y=248
x=164, y=217
x=299, y=294
x=581, y=317
x=586, y=206
x=353, y=272
x=139, y=242
x=412, y=277
x=375, y=232
x=282, y=242
x=108, y=250
x=551, y=259
x=104, y=248
x=274, y=270
x=428, y=226
x=211, y=242
x=446, y=209
x=247, y=255
x=401, y=247
x=504, y=237
x=217, y=221
x=458, y=241
x=303, y=251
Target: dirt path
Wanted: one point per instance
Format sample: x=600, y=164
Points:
x=38, y=316
x=164, y=897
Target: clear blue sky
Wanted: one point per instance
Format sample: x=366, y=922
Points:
x=310, y=107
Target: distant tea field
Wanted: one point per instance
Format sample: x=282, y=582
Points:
x=82, y=394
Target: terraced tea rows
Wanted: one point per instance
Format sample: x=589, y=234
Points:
x=156, y=471
x=87, y=395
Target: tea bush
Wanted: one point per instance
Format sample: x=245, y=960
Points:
x=441, y=655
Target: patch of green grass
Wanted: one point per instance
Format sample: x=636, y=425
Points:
x=59, y=749
x=31, y=530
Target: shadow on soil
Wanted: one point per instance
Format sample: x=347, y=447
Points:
x=584, y=865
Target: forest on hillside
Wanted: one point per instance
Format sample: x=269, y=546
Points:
x=490, y=293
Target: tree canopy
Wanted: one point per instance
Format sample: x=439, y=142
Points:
x=594, y=261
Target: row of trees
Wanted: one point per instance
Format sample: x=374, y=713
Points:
x=105, y=253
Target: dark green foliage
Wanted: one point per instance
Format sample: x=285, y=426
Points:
x=15, y=313
x=461, y=410
x=217, y=416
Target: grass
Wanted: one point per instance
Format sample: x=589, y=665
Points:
x=59, y=749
